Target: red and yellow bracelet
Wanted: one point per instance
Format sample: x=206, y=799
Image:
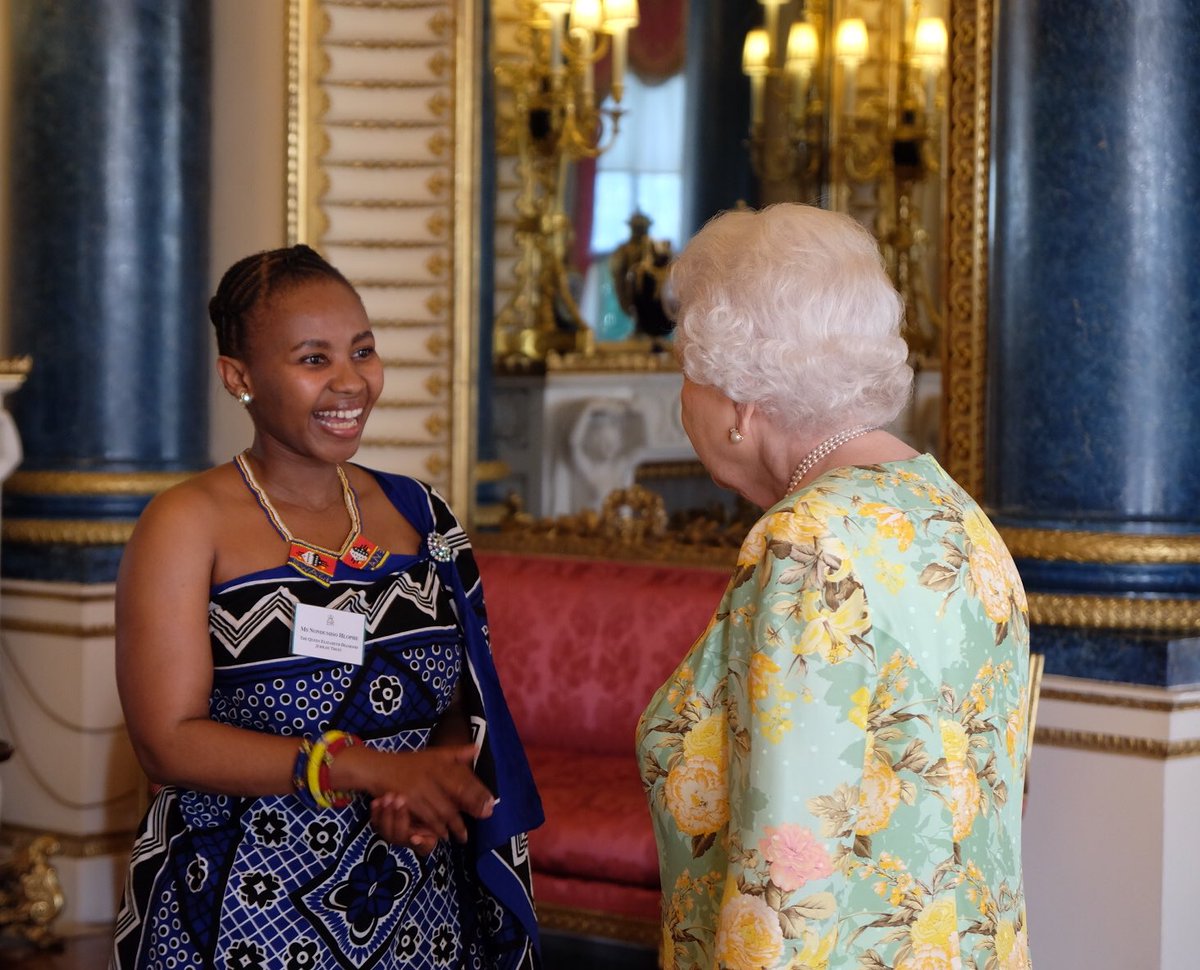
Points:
x=311, y=778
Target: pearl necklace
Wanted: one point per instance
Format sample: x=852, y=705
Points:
x=826, y=447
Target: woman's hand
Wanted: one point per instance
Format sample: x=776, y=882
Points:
x=421, y=795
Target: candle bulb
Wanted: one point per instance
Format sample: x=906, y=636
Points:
x=802, y=49
x=850, y=46
x=929, y=54
x=556, y=10
x=620, y=17
x=755, y=53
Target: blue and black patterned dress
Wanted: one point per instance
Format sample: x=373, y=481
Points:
x=227, y=883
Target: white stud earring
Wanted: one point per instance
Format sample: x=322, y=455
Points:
x=735, y=436
x=245, y=398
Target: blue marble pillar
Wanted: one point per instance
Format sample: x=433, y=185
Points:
x=718, y=108
x=110, y=200
x=1094, y=355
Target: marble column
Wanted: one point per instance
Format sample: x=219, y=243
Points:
x=718, y=110
x=109, y=277
x=1093, y=443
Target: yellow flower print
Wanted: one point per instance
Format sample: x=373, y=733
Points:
x=817, y=948
x=954, y=741
x=829, y=633
x=748, y=933
x=891, y=523
x=798, y=528
x=996, y=579
x=861, y=699
x=936, y=924
x=819, y=506
x=680, y=689
x=982, y=533
x=707, y=739
x=925, y=957
x=892, y=575
x=776, y=724
x=762, y=675
x=964, y=799
x=991, y=585
x=879, y=795
x=1012, y=947
x=668, y=948
x=754, y=546
x=697, y=797
x=1014, y=727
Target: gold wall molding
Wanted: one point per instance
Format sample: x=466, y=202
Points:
x=68, y=845
x=964, y=339
x=71, y=532
x=37, y=589
x=92, y=483
x=565, y=545
x=1116, y=613
x=612, y=360
x=74, y=631
x=1117, y=744
x=586, y=922
x=1119, y=700
x=666, y=470
x=1101, y=547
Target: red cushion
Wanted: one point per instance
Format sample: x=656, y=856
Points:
x=597, y=820
x=581, y=645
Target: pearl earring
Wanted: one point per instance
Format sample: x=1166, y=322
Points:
x=735, y=436
x=245, y=398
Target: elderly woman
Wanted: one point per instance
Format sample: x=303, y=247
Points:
x=835, y=768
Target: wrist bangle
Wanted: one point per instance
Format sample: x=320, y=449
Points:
x=300, y=775
x=316, y=770
x=333, y=747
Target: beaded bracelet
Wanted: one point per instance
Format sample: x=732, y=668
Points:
x=310, y=776
x=335, y=743
x=300, y=775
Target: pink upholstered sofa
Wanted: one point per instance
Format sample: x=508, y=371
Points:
x=581, y=644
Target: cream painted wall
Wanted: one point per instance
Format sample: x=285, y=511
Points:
x=249, y=164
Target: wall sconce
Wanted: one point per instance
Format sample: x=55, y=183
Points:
x=556, y=119
x=848, y=111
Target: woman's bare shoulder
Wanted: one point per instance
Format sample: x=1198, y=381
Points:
x=196, y=505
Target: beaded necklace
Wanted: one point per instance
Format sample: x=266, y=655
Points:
x=317, y=562
x=826, y=447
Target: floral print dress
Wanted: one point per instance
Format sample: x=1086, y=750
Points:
x=835, y=770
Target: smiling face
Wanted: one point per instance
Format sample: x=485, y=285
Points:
x=312, y=368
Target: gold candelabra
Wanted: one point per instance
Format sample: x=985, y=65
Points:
x=850, y=113
x=555, y=118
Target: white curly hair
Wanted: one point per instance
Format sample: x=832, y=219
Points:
x=789, y=308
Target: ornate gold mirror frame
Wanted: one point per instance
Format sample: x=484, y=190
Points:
x=964, y=352
x=429, y=230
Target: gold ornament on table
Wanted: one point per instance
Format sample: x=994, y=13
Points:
x=31, y=896
x=847, y=107
x=556, y=118
x=639, y=268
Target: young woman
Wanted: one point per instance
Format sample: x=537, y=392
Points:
x=303, y=663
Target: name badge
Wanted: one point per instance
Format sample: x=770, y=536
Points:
x=333, y=635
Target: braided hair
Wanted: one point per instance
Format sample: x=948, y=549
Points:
x=252, y=280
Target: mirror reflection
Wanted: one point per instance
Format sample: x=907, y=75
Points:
x=619, y=125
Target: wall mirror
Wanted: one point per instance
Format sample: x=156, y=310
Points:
x=827, y=95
